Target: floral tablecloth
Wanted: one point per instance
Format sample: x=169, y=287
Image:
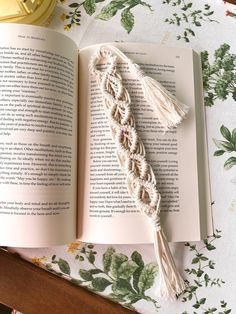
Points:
x=128, y=274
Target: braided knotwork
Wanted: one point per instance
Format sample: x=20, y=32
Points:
x=141, y=181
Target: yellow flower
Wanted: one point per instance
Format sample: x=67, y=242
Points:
x=66, y=27
x=72, y=247
x=39, y=261
x=63, y=17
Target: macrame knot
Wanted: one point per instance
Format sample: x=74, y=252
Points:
x=103, y=53
x=156, y=223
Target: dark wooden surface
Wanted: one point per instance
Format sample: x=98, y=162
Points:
x=231, y=1
x=32, y=290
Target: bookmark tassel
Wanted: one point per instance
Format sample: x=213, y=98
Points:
x=171, y=284
x=141, y=181
x=170, y=111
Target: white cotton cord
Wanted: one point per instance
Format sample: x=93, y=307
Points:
x=171, y=284
x=141, y=181
x=169, y=110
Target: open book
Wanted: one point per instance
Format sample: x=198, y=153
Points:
x=59, y=176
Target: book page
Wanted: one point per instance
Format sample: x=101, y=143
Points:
x=38, y=136
x=108, y=214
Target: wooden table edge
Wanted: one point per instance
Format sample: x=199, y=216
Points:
x=32, y=290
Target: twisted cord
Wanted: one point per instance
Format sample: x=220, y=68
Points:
x=141, y=181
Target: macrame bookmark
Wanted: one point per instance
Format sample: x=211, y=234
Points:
x=141, y=180
x=169, y=110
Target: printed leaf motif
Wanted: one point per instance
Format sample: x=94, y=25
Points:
x=95, y=271
x=224, y=145
x=187, y=6
x=230, y=163
x=137, y=258
x=91, y=257
x=225, y=133
x=107, y=259
x=147, y=277
x=73, y=17
x=126, y=269
x=110, y=10
x=127, y=20
x=64, y=266
x=219, y=152
x=76, y=281
x=188, y=16
x=196, y=305
x=85, y=274
x=195, y=260
x=145, y=4
x=121, y=286
x=209, y=246
x=228, y=146
x=74, y=5
x=132, y=298
x=234, y=94
x=89, y=6
x=199, y=277
x=219, y=76
x=117, y=297
x=202, y=301
x=233, y=140
x=199, y=273
x=119, y=274
x=116, y=261
x=100, y=283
